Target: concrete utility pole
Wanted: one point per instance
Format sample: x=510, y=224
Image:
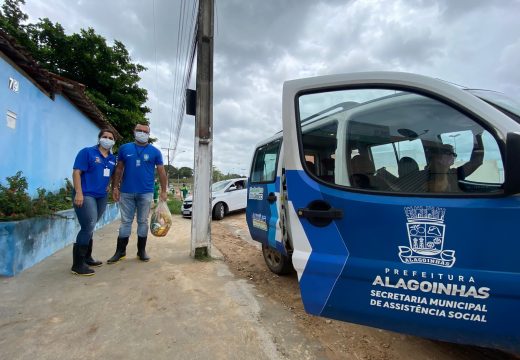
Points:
x=201, y=214
x=168, y=154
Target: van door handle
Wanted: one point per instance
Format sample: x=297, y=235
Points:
x=271, y=197
x=332, y=213
x=319, y=213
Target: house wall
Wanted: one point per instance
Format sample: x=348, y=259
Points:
x=47, y=136
x=27, y=242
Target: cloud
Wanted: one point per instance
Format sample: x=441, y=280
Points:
x=260, y=44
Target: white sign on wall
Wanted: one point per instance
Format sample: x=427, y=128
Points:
x=14, y=85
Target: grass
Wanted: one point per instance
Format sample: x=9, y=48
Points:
x=174, y=205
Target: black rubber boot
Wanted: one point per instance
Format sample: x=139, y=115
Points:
x=141, y=246
x=78, y=261
x=120, y=250
x=88, y=258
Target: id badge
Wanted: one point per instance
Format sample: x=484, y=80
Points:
x=138, y=162
x=106, y=172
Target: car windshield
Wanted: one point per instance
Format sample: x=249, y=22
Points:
x=219, y=186
x=502, y=102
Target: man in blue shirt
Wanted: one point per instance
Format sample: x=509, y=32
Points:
x=136, y=165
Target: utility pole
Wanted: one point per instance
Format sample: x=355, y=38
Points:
x=168, y=157
x=201, y=215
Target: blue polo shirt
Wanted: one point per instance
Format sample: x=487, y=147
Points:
x=140, y=162
x=92, y=165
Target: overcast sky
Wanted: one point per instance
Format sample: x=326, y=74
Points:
x=261, y=43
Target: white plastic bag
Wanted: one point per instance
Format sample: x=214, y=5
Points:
x=161, y=219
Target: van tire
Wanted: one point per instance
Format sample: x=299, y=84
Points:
x=219, y=211
x=276, y=261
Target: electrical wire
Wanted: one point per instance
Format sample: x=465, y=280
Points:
x=188, y=66
x=155, y=54
x=186, y=46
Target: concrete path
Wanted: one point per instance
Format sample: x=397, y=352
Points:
x=173, y=307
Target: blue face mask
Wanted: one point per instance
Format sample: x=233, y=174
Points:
x=106, y=143
x=141, y=137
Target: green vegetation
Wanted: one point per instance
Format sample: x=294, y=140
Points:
x=112, y=79
x=185, y=175
x=16, y=204
x=174, y=205
x=201, y=254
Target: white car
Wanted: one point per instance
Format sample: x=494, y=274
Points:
x=227, y=196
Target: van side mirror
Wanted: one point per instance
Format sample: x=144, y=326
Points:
x=232, y=188
x=511, y=167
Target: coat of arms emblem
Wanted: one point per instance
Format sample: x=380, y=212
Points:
x=426, y=231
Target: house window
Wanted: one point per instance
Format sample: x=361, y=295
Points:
x=11, y=119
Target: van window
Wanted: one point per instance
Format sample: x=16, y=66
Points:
x=265, y=162
x=398, y=141
x=320, y=141
x=388, y=156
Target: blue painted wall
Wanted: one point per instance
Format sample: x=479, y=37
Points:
x=27, y=242
x=48, y=133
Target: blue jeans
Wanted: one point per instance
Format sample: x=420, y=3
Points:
x=129, y=204
x=88, y=215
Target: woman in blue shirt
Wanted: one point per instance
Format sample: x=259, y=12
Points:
x=93, y=169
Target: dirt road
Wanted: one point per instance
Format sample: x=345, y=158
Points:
x=339, y=340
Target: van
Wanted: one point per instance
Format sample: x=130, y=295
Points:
x=395, y=198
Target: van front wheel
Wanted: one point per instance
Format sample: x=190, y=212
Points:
x=276, y=262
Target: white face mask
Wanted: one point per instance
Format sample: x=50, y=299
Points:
x=106, y=143
x=141, y=137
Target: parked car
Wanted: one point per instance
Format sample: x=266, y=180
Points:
x=227, y=196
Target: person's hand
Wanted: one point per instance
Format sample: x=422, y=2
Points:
x=78, y=199
x=164, y=195
x=115, y=194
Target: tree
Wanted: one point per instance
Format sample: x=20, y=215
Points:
x=108, y=71
x=232, y=176
x=185, y=172
x=217, y=174
x=11, y=21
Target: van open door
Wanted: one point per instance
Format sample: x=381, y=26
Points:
x=263, y=205
x=397, y=208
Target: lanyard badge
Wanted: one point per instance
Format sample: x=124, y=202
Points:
x=138, y=155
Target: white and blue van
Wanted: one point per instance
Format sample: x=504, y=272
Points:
x=396, y=198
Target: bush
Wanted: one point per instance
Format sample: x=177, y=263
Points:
x=16, y=204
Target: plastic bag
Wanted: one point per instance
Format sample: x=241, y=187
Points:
x=161, y=219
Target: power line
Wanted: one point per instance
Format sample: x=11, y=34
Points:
x=183, y=67
x=188, y=66
x=155, y=53
x=181, y=13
